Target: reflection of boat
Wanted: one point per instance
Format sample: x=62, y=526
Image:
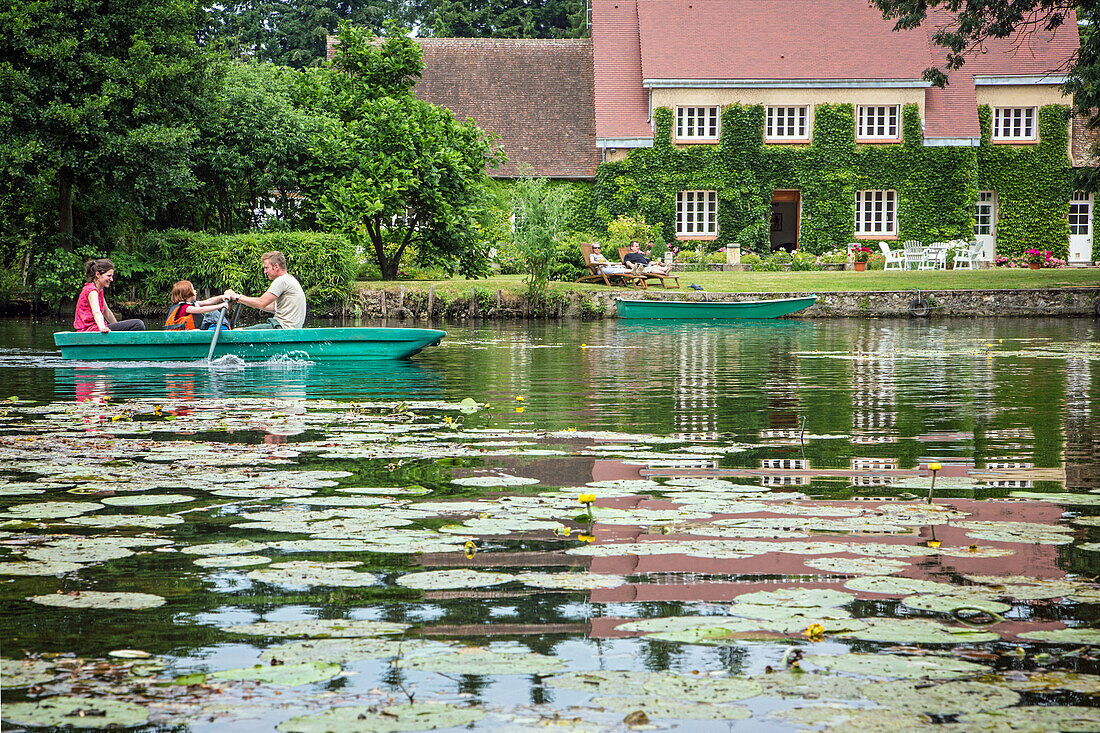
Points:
x=710, y=310
x=312, y=344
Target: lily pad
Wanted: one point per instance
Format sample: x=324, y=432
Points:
x=897, y=586
x=1064, y=636
x=307, y=572
x=898, y=666
x=918, y=631
x=487, y=661
x=146, y=499
x=51, y=510
x=318, y=628
x=1065, y=718
x=857, y=565
x=232, y=561
x=51, y=567
x=1087, y=684
x=948, y=698
x=498, y=480
x=959, y=602
x=287, y=675
x=151, y=521
x=344, y=650
x=76, y=712
x=415, y=716
x=570, y=581
x=449, y=579
x=241, y=547
x=99, y=599
x=659, y=707
x=797, y=598
x=25, y=672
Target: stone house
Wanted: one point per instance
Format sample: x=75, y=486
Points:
x=738, y=122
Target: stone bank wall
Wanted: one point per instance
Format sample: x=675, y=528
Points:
x=1076, y=301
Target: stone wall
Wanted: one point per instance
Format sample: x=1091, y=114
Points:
x=482, y=303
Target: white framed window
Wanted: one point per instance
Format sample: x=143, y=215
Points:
x=696, y=213
x=984, y=213
x=786, y=123
x=1013, y=123
x=879, y=123
x=877, y=212
x=1079, y=214
x=696, y=123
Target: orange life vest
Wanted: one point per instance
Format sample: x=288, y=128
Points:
x=176, y=322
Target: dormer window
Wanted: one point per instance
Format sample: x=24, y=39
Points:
x=879, y=123
x=786, y=124
x=696, y=123
x=1014, y=123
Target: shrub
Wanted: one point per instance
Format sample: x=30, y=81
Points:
x=803, y=261
x=836, y=256
x=752, y=260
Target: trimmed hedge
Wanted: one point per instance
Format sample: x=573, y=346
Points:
x=325, y=264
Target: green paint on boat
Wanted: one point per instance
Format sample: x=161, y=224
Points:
x=711, y=310
x=309, y=344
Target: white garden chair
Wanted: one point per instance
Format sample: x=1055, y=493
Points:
x=914, y=253
x=895, y=258
x=966, y=255
x=934, y=257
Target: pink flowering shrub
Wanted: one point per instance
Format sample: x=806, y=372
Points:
x=1040, y=257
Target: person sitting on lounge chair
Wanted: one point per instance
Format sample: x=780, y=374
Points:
x=606, y=266
x=641, y=263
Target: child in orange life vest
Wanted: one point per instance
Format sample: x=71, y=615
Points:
x=185, y=307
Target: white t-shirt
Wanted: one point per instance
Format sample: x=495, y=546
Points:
x=290, y=301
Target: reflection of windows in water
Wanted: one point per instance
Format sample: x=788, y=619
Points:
x=1011, y=484
x=695, y=436
x=991, y=465
x=796, y=464
x=784, y=480
x=871, y=464
x=874, y=480
x=866, y=420
x=680, y=464
x=872, y=439
x=766, y=434
x=1009, y=433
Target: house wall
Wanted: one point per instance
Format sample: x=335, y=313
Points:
x=1023, y=95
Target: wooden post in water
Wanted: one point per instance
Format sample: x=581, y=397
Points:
x=431, y=302
x=401, y=298
x=473, y=302
x=383, y=291
x=498, y=304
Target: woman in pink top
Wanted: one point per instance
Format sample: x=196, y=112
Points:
x=92, y=311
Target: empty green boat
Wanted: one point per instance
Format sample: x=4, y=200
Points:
x=711, y=310
x=312, y=344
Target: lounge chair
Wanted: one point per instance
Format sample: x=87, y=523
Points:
x=914, y=253
x=650, y=275
x=934, y=257
x=895, y=258
x=966, y=254
x=595, y=274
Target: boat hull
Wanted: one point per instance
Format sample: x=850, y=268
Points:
x=313, y=344
x=711, y=310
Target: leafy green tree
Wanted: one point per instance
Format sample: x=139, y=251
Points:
x=253, y=148
x=98, y=104
x=395, y=172
x=503, y=18
x=975, y=21
x=539, y=209
x=291, y=33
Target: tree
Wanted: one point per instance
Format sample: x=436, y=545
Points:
x=98, y=102
x=291, y=32
x=253, y=148
x=503, y=18
x=396, y=172
x=539, y=209
x=972, y=22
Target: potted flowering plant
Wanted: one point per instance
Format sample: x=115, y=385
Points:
x=1036, y=258
x=860, y=255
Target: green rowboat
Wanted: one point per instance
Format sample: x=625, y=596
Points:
x=711, y=310
x=311, y=344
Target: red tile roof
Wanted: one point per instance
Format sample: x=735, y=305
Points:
x=622, y=104
x=640, y=42
x=536, y=95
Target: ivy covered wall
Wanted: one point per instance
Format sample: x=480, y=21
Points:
x=936, y=186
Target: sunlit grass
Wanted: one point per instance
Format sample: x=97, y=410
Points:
x=783, y=282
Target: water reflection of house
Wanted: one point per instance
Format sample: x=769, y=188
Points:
x=874, y=383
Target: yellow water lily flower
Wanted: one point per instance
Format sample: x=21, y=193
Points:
x=519, y=398
x=470, y=548
x=586, y=498
x=815, y=632
x=519, y=409
x=933, y=543
x=586, y=537
x=934, y=466
x=570, y=430
x=563, y=531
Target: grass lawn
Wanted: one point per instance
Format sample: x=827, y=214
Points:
x=784, y=282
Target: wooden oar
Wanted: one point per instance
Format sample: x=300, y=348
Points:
x=217, y=330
